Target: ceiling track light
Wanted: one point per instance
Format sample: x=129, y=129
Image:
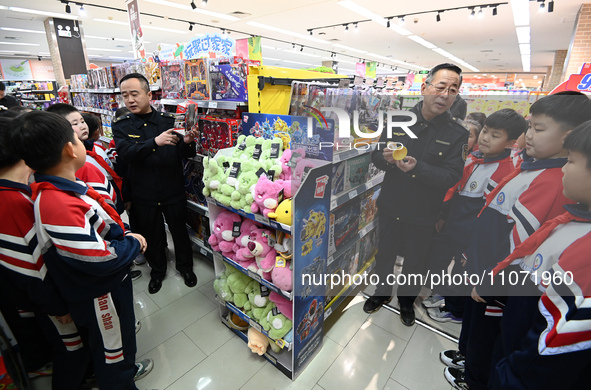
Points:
x=480, y=13
x=190, y=26
x=472, y=13
x=68, y=8
x=82, y=10
x=311, y=32
x=356, y=27
x=204, y=3
x=346, y=27
x=401, y=20
x=494, y=13
x=542, y=6
x=223, y=31
x=388, y=23
x=293, y=46
x=193, y=4
x=301, y=48
x=438, y=17
x=551, y=6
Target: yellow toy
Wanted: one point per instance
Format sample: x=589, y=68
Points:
x=400, y=152
x=282, y=213
x=306, y=248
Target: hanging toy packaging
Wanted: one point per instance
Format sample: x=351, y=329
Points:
x=173, y=80
x=196, y=79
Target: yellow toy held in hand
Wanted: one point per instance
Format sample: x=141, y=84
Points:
x=399, y=150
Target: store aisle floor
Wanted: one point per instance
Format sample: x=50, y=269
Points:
x=192, y=349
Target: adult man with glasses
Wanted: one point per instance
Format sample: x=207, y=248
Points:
x=413, y=188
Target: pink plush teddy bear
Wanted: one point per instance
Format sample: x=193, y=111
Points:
x=264, y=253
x=290, y=187
x=286, y=163
x=283, y=304
x=266, y=195
x=281, y=276
x=221, y=238
x=243, y=256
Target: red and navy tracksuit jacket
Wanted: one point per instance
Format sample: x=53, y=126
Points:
x=480, y=177
x=553, y=349
x=518, y=209
x=25, y=281
x=88, y=255
x=98, y=157
x=93, y=176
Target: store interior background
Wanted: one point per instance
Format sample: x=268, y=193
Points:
x=492, y=51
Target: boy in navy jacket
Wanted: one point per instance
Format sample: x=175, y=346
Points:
x=85, y=247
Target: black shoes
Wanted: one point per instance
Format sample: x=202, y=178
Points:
x=135, y=274
x=190, y=278
x=155, y=285
x=374, y=303
x=407, y=315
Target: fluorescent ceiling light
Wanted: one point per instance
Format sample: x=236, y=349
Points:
x=350, y=5
x=526, y=62
x=272, y=59
x=379, y=56
x=525, y=49
x=456, y=59
x=44, y=13
x=298, y=62
x=97, y=48
x=349, y=48
x=270, y=47
x=19, y=43
x=421, y=41
x=346, y=62
x=301, y=53
x=113, y=22
x=520, y=10
x=197, y=10
x=286, y=32
x=172, y=30
x=112, y=39
x=121, y=58
x=399, y=30
x=15, y=52
x=523, y=34
x=22, y=30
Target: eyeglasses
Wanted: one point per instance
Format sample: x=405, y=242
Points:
x=441, y=90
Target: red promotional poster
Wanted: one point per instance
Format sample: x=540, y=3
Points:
x=139, y=52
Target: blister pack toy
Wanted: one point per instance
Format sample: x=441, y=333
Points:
x=173, y=80
x=196, y=80
x=228, y=79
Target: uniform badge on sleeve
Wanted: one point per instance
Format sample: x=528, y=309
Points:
x=465, y=151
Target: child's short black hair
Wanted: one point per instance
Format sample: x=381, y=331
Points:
x=508, y=120
x=579, y=140
x=93, y=123
x=8, y=157
x=39, y=138
x=567, y=109
x=479, y=117
x=62, y=109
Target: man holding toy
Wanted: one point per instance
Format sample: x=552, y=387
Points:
x=418, y=173
x=153, y=150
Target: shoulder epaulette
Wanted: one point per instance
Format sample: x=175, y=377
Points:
x=460, y=122
x=119, y=119
x=168, y=115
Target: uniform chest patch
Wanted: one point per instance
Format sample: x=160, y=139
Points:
x=538, y=261
x=473, y=185
x=501, y=198
x=133, y=136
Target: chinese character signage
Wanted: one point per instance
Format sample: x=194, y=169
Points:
x=209, y=43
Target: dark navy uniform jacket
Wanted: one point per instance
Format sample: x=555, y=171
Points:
x=155, y=172
x=440, y=147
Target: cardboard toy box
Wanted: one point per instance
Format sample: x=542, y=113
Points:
x=369, y=208
x=193, y=174
x=345, y=264
x=357, y=169
x=368, y=245
x=228, y=81
x=344, y=224
x=339, y=171
x=196, y=80
x=216, y=133
x=173, y=80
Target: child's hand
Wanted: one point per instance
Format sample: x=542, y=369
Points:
x=65, y=319
x=141, y=239
x=476, y=297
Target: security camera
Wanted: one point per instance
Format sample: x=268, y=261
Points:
x=416, y=20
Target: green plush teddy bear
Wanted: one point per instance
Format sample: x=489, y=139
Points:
x=258, y=303
x=213, y=176
x=220, y=285
x=237, y=282
x=242, y=196
x=276, y=325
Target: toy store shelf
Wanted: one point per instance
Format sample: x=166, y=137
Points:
x=338, y=200
x=350, y=153
x=255, y=217
x=198, y=208
x=353, y=241
x=221, y=104
x=200, y=246
x=281, y=362
x=37, y=91
x=255, y=276
x=344, y=293
x=35, y=100
x=280, y=342
x=96, y=110
x=109, y=90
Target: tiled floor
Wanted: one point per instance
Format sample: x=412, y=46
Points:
x=182, y=332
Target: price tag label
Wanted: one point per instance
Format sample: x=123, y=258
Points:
x=271, y=359
x=352, y=194
x=330, y=260
x=333, y=204
x=260, y=218
x=254, y=276
x=279, y=262
x=254, y=324
x=213, y=104
x=203, y=251
x=327, y=313
x=281, y=343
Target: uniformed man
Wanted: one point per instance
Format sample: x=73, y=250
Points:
x=145, y=140
x=413, y=188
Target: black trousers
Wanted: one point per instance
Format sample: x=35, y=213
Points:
x=408, y=240
x=149, y=222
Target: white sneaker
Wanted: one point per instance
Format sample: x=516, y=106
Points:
x=138, y=326
x=143, y=368
x=439, y=314
x=435, y=300
x=453, y=358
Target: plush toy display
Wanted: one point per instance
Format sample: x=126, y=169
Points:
x=221, y=238
x=283, y=304
x=267, y=195
x=289, y=160
x=220, y=285
x=257, y=342
x=261, y=250
x=258, y=304
x=237, y=282
x=283, y=212
x=213, y=176
x=281, y=274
